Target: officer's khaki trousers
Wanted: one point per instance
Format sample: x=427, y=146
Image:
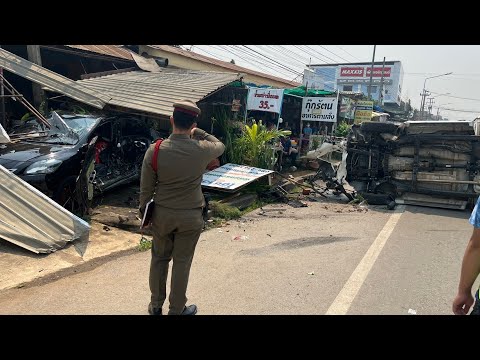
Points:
x=175, y=235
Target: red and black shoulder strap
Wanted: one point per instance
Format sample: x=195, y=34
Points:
x=155, y=154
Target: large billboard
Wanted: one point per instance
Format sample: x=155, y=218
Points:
x=364, y=71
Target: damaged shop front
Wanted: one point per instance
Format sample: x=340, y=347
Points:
x=96, y=147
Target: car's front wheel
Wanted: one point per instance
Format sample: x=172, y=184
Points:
x=65, y=195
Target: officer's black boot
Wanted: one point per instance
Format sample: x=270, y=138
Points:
x=154, y=311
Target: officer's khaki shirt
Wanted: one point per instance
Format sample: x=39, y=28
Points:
x=181, y=164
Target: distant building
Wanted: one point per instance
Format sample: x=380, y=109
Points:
x=356, y=77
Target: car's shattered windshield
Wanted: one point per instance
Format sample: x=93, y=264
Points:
x=76, y=127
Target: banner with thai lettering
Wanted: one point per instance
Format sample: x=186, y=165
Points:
x=230, y=177
x=319, y=109
x=363, y=111
x=269, y=100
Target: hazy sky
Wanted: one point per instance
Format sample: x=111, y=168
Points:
x=418, y=61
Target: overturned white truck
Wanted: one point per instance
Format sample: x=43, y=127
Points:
x=431, y=163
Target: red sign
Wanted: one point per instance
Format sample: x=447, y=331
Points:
x=377, y=72
x=351, y=71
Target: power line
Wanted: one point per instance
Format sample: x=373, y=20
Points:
x=421, y=73
x=283, y=55
x=316, y=51
x=323, y=47
x=295, y=53
x=464, y=111
x=255, y=58
x=348, y=53
x=274, y=62
x=259, y=64
x=286, y=67
x=314, y=55
x=455, y=97
x=209, y=53
x=325, y=73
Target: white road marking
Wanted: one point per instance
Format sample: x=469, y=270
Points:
x=344, y=299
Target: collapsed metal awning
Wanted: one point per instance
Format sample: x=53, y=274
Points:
x=146, y=91
x=32, y=220
x=38, y=74
x=156, y=92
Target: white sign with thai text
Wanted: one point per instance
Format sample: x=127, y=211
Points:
x=232, y=176
x=269, y=100
x=319, y=109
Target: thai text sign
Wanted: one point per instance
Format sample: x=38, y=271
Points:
x=363, y=111
x=232, y=176
x=319, y=109
x=269, y=100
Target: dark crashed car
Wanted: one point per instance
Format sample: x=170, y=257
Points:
x=78, y=156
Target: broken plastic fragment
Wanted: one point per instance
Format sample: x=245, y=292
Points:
x=413, y=312
x=311, y=273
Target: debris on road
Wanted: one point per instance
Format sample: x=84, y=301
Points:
x=297, y=203
x=412, y=312
x=106, y=228
x=33, y=221
x=239, y=237
x=311, y=273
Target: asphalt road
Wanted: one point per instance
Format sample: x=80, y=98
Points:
x=323, y=258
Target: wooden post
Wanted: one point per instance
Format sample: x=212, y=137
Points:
x=34, y=56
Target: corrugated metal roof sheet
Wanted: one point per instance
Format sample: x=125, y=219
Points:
x=156, y=92
x=50, y=79
x=33, y=221
x=224, y=64
x=110, y=50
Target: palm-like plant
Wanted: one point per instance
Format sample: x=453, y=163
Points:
x=256, y=146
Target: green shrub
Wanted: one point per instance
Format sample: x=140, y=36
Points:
x=224, y=211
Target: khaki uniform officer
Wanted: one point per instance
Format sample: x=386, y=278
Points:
x=177, y=218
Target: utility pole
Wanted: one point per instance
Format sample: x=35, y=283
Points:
x=3, y=120
x=424, y=94
x=34, y=56
x=430, y=104
x=371, y=73
x=380, y=94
